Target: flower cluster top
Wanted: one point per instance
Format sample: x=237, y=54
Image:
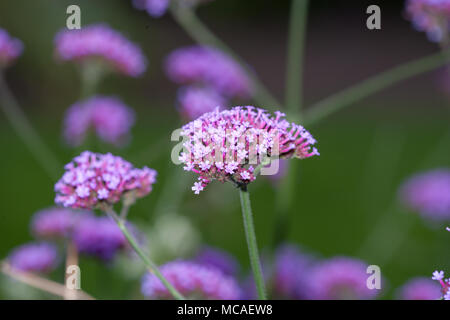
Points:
x=92, y=179
x=10, y=48
x=431, y=17
x=227, y=145
x=445, y=283
x=108, y=116
x=101, y=42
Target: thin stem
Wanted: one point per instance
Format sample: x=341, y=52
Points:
x=251, y=243
x=40, y=283
x=189, y=21
x=294, y=68
x=26, y=132
x=375, y=84
x=148, y=263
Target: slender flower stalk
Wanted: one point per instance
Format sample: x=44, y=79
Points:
x=252, y=243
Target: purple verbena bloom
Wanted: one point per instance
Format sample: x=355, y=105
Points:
x=210, y=67
x=55, y=222
x=99, y=237
x=108, y=116
x=291, y=273
x=192, y=280
x=429, y=194
x=340, y=278
x=155, y=8
x=10, y=48
x=445, y=283
x=93, y=179
x=194, y=101
x=431, y=17
x=101, y=42
x=34, y=257
x=420, y=289
x=219, y=259
x=226, y=145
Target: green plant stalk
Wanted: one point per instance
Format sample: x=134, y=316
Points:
x=294, y=67
x=148, y=263
x=374, y=84
x=26, y=132
x=251, y=243
x=189, y=21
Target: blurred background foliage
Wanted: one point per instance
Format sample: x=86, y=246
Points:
x=367, y=150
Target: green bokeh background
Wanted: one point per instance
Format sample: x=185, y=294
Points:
x=344, y=195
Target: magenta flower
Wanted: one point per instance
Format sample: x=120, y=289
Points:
x=225, y=145
x=155, y=8
x=429, y=194
x=34, y=257
x=420, y=289
x=431, y=17
x=208, y=67
x=192, y=280
x=109, y=117
x=340, y=278
x=93, y=179
x=445, y=284
x=195, y=101
x=56, y=222
x=100, y=42
x=10, y=48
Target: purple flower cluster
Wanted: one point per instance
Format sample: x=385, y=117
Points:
x=445, y=284
x=340, y=278
x=429, y=194
x=194, y=101
x=419, y=289
x=34, y=257
x=224, y=145
x=92, y=179
x=431, y=17
x=192, y=280
x=108, y=116
x=155, y=8
x=56, y=222
x=210, y=67
x=219, y=259
x=99, y=41
x=10, y=48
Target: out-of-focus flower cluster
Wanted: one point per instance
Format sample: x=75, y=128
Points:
x=429, y=194
x=419, y=289
x=38, y=257
x=93, y=179
x=102, y=44
x=157, y=8
x=226, y=145
x=10, y=48
x=431, y=17
x=109, y=117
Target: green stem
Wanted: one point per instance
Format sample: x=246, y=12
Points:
x=294, y=68
x=375, y=84
x=251, y=243
x=188, y=20
x=148, y=263
x=91, y=74
x=26, y=132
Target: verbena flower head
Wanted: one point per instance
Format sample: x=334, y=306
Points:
x=194, y=101
x=109, y=117
x=219, y=259
x=99, y=237
x=445, y=283
x=155, y=8
x=192, y=280
x=34, y=257
x=93, y=179
x=208, y=66
x=431, y=17
x=226, y=145
x=55, y=222
x=340, y=278
x=100, y=42
x=420, y=289
x=429, y=194
x=291, y=273
x=10, y=48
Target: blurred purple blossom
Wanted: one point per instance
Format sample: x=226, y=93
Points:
x=194, y=101
x=420, y=289
x=10, y=48
x=155, y=8
x=219, y=259
x=34, y=257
